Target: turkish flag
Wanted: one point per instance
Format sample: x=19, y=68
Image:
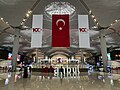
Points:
x=60, y=31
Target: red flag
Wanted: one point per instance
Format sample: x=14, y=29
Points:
x=60, y=31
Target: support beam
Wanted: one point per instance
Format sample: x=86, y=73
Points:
x=15, y=49
x=103, y=50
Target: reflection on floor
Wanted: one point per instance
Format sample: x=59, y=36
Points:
x=38, y=81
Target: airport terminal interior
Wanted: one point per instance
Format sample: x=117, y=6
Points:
x=60, y=45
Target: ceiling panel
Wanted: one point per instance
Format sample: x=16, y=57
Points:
x=14, y=11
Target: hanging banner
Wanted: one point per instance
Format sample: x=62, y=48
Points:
x=83, y=27
x=60, y=31
x=37, y=26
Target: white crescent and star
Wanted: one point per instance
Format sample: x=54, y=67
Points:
x=60, y=20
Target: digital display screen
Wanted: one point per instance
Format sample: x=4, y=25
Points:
x=108, y=57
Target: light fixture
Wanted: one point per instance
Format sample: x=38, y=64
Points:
x=27, y=15
x=24, y=20
x=93, y=16
x=1, y=18
x=95, y=20
x=90, y=12
x=22, y=23
x=94, y=27
x=29, y=11
x=6, y=22
x=116, y=20
x=59, y=8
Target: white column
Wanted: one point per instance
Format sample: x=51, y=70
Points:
x=15, y=49
x=103, y=50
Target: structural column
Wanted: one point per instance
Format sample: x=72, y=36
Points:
x=82, y=59
x=15, y=49
x=36, y=55
x=103, y=50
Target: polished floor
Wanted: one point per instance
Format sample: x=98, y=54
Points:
x=38, y=81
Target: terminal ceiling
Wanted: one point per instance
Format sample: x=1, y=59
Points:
x=106, y=12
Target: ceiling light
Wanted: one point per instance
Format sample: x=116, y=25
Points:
x=1, y=18
x=22, y=23
x=24, y=20
x=29, y=11
x=116, y=20
x=95, y=20
x=90, y=12
x=6, y=22
x=93, y=16
x=97, y=23
x=27, y=15
x=94, y=27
